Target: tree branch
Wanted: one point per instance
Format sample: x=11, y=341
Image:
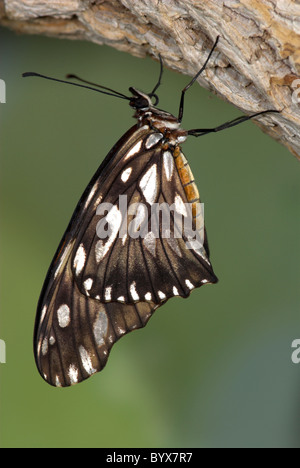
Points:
x=256, y=64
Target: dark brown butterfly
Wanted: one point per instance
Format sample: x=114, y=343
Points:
x=100, y=287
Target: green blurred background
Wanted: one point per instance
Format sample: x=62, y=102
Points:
x=214, y=370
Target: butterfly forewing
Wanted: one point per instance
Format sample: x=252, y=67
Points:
x=76, y=333
x=138, y=259
x=125, y=252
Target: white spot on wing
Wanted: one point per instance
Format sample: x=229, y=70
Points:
x=88, y=283
x=148, y=184
x=135, y=149
x=180, y=206
x=168, y=164
x=107, y=293
x=153, y=139
x=63, y=315
x=100, y=327
x=45, y=346
x=114, y=219
x=139, y=210
x=133, y=292
x=161, y=295
x=91, y=194
x=57, y=381
x=86, y=361
x=150, y=241
x=126, y=174
x=73, y=374
x=79, y=260
x=189, y=284
x=175, y=291
x=148, y=296
x=44, y=310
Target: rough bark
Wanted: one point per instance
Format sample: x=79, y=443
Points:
x=255, y=67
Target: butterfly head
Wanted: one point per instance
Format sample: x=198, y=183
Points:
x=141, y=101
x=146, y=111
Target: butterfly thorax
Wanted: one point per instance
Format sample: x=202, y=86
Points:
x=147, y=114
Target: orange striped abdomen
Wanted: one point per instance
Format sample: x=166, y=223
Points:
x=188, y=182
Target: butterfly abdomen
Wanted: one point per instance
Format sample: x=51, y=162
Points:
x=187, y=180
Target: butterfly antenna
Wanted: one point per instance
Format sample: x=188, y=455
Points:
x=76, y=77
x=112, y=93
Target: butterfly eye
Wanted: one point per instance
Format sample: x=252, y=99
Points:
x=139, y=103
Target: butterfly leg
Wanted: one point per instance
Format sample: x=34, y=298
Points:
x=180, y=114
x=232, y=123
x=159, y=78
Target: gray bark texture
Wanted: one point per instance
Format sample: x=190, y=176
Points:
x=255, y=67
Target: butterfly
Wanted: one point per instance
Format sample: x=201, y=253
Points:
x=102, y=285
